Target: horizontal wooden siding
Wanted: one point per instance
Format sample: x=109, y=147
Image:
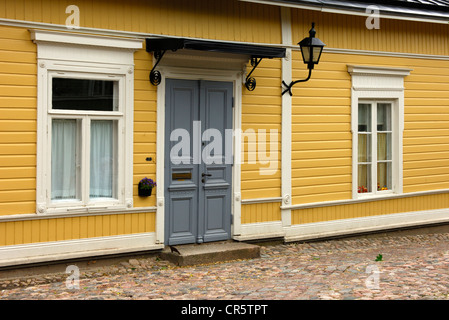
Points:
x=44, y=230
x=261, y=212
x=18, y=113
x=322, y=140
x=225, y=20
x=368, y=209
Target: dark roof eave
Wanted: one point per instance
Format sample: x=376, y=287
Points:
x=257, y=51
x=399, y=8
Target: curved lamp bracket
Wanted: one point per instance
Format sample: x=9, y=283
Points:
x=289, y=86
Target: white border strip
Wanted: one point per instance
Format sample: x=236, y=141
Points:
x=71, y=249
x=85, y=40
x=386, y=54
x=140, y=35
x=286, y=157
x=92, y=212
x=367, y=224
x=263, y=230
x=366, y=199
x=262, y=200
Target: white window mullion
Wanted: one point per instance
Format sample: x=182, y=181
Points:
x=79, y=159
x=395, y=145
x=374, y=147
x=85, y=167
x=119, y=133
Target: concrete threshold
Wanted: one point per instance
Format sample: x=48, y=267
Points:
x=205, y=253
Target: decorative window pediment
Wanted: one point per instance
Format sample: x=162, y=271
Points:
x=373, y=78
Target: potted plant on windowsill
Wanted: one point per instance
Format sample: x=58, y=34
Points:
x=145, y=187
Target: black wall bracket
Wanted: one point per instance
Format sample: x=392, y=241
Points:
x=250, y=82
x=155, y=75
x=289, y=86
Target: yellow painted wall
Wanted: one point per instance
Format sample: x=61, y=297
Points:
x=262, y=110
x=368, y=209
x=261, y=212
x=232, y=20
x=145, y=106
x=322, y=140
x=44, y=230
x=321, y=136
x=18, y=124
x=349, y=32
x=18, y=81
x=224, y=20
x=321, y=159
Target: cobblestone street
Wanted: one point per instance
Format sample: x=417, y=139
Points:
x=410, y=267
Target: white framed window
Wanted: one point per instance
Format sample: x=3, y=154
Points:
x=377, y=124
x=376, y=149
x=85, y=122
x=85, y=119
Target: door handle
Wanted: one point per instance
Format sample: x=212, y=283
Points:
x=205, y=175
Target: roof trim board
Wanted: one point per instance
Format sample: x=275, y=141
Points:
x=403, y=10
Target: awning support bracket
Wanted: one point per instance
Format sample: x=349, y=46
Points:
x=155, y=75
x=250, y=83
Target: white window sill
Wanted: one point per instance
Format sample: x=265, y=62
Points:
x=86, y=210
x=378, y=195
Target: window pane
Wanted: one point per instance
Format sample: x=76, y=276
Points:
x=84, y=94
x=102, y=159
x=364, y=148
x=384, y=176
x=364, y=177
x=384, y=146
x=364, y=117
x=64, y=155
x=384, y=117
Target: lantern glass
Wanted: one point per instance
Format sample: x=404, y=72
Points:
x=311, y=54
x=305, y=54
x=316, y=54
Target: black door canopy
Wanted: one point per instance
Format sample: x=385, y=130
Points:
x=255, y=51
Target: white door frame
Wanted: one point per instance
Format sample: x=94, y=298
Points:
x=175, y=72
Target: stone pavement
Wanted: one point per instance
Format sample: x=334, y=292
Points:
x=412, y=267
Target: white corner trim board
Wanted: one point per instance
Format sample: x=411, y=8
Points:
x=366, y=224
x=71, y=249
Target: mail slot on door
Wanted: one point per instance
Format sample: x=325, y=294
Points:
x=182, y=176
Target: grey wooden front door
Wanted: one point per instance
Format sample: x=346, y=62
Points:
x=198, y=161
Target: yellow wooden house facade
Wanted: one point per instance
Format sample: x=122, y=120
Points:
x=362, y=146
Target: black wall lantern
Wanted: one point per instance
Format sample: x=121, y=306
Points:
x=311, y=49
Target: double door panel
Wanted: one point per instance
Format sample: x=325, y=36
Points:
x=198, y=168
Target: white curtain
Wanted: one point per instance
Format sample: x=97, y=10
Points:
x=63, y=159
x=101, y=159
